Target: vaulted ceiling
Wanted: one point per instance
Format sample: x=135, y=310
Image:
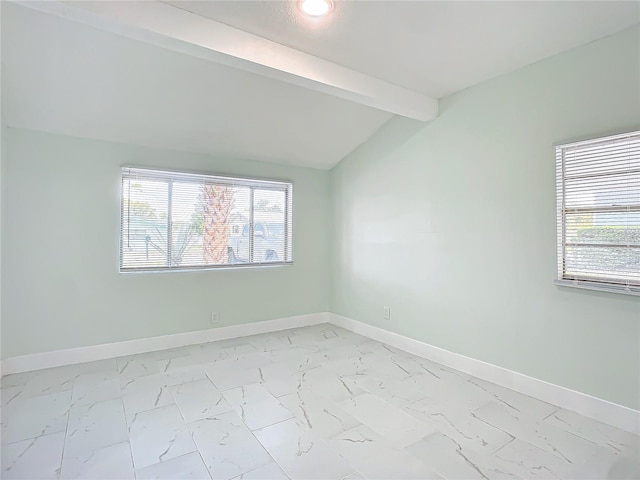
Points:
x=257, y=79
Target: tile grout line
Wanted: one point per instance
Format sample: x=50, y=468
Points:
x=126, y=425
x=66, y=431
x=265, y=448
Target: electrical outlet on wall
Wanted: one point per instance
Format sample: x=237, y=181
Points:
x=214, y=318
x=386, y=313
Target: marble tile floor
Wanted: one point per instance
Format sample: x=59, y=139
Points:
x=310, y=403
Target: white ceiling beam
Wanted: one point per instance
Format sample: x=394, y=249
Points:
x=170, y=27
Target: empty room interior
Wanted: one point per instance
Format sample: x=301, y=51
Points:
x=320, y=239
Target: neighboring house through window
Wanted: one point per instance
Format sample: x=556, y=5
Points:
x=173, y=220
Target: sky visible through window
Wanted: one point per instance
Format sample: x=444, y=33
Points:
x=210, y=224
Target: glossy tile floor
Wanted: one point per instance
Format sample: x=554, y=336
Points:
x=310, y=403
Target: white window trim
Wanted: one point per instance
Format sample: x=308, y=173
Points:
x=173, y=175
x=601, y=287
x=561, y=281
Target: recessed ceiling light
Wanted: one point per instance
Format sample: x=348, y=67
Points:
x=316, y=8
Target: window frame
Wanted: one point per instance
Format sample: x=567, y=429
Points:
x=171, y=176
x=563, y=279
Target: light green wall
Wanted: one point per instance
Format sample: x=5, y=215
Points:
x=452, y=224
x=2, y=156
x=61, y=286
x=2, y=203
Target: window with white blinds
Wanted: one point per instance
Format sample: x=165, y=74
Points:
x=598, y=199
x=176, y=221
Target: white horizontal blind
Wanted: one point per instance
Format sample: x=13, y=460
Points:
x=172, y=220
x=598, y=198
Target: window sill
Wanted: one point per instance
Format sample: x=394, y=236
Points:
x=601, y=287
x=234, y=266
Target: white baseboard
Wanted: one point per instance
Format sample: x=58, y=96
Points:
x=58, y=358
x=601, y=410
